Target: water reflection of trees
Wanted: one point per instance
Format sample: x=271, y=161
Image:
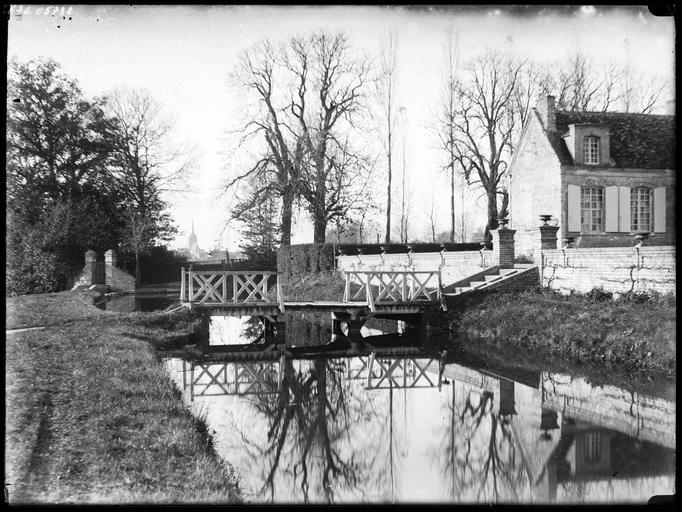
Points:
x=309, y=425
x=480, y=459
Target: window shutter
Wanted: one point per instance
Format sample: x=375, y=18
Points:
x=659, y=210
x=611, y=208
x=573, y=208
x=624, y=209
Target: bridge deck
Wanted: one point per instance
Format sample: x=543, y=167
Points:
x=256, y=308
x=234, y=354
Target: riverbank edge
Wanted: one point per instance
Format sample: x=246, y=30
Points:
x=629, y=334
x=92, y=415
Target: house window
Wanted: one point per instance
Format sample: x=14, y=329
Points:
x=641, y=208
x=592, y=209
x=592, y=448
x=591, y=149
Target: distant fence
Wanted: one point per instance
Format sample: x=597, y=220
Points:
x=454, y=266
x=233, y=265
x=313, y=258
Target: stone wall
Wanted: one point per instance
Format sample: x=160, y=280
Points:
x=454, y=265
x=114, y=278
x=615, y=269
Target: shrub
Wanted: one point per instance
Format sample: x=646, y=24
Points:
x=299, y=259
x=523, y=259
x=598, y=295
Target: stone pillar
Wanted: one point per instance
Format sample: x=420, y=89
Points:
x=503, y=246
x=548, y=238
x=109, y=266
x=110, y=257
x=507, y=401
x=90, y=269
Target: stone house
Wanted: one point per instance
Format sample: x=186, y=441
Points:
x=603, y=176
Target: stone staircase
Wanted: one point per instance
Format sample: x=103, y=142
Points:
x=493, y=278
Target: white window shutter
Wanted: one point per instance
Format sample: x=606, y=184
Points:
x=659, y=210
x=573, y=208
x=611, y=208
x=624, y=209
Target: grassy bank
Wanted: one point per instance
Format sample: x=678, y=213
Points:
x=587, y=331
x=92, y=416
x=633, y=333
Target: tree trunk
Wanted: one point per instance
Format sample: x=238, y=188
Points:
x=320, y=228
x=492, y=213
x=388, y=204
x=287, y=209
x=319, y=216
x=452, y=203
x=138, y=276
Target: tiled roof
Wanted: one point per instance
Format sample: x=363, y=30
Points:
x=640, y=141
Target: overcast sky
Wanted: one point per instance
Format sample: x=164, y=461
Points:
x=184, y=55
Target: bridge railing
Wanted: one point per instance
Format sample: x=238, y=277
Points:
x=379, y=287
x=215, y=287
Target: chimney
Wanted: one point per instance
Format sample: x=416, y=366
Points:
x=545, y=108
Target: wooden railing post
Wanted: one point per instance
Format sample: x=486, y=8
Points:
x=346, y=291
x=280, y=295
x=234, y=288
x=182, y=285
x=403, y=289
x=191, y=284
x=441, y=297
x=368, y=291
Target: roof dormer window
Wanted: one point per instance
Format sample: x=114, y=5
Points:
x=591, y=149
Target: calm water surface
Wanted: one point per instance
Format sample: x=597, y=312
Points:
x=384, y=430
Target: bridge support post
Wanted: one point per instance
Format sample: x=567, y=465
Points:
x=274, y=330
x=354, y=323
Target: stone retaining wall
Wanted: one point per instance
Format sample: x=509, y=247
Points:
x=615, y=269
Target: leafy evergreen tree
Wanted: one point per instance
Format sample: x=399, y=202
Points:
x=261, y=231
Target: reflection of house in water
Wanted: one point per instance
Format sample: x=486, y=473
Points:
x=587, y=454
x=579, y=442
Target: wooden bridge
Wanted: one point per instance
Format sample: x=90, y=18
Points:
x=260, y=293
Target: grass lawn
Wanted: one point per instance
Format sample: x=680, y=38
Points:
x=92, y=416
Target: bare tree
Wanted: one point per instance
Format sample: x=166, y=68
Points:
x=386, y=85
x=430, y=207
x=483, y=126
x=146, y=162
x=337, y=82
x=581, y=83
x=278, y=164
x=308, y=92
x=446, y=121
x=136, y=236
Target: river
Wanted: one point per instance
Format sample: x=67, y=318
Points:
x=415, y=429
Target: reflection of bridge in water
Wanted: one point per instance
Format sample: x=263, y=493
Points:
x=267, y=377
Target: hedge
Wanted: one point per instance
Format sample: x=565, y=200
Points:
x=305, y=258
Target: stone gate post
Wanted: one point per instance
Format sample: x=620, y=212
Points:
x=503, y=246
x=110, y=260
x=90, y=269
